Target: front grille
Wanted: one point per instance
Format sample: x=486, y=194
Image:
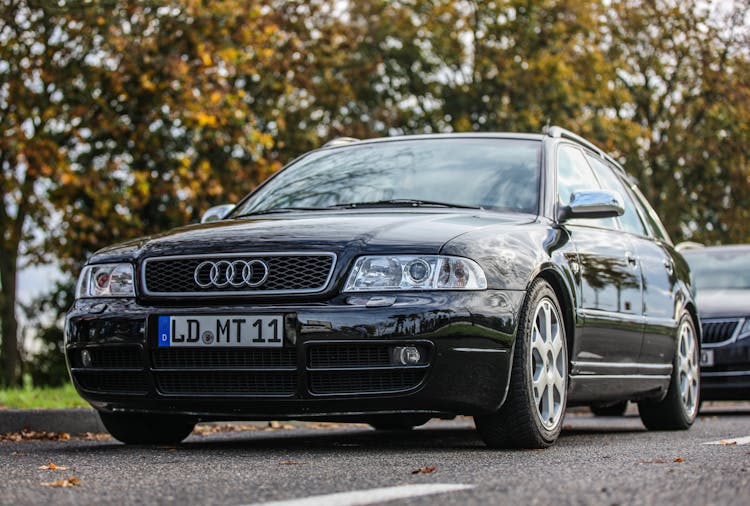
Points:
x=112, y=382
x=292, y=273
x=717, y=331
x=353, y=382
x=273, y=384
x=113, y=357
x=224, y=358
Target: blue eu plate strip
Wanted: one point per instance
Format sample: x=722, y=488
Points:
x=164, y=330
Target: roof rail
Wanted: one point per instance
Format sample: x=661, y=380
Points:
x=560, y=132
x=339, y=141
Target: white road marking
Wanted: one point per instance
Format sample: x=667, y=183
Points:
x=372, y=496
x=731, y=441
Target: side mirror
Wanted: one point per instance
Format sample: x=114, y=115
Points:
x=592, y=204
x=216, y=213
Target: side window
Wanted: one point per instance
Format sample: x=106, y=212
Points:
x=653, y=220
x=630, y=220
x=574, y=174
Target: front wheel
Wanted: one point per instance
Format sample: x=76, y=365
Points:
x=533, y=412
x=136, y=428
x=678, y=409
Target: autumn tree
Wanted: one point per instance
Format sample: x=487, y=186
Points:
x=685, y=111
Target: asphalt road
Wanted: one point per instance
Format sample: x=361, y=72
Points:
x=596, y=461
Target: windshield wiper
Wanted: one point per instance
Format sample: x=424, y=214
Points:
x=278, y=210
x=402, y=203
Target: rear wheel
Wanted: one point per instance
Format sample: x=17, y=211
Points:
x=533, y=412
x=678, y=409
x=136, y=428
x=616, y=409
x=398, y=422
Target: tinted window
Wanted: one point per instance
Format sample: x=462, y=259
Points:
x=630, y=220
x=657, y=229
x=498, y=174
x=720, y=269
x=574, y=174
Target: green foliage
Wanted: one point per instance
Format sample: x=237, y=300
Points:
x=28, y=397
x=122, y=118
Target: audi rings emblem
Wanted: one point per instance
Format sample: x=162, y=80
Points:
x=237, y=274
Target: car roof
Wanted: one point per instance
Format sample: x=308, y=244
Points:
x=463, y=135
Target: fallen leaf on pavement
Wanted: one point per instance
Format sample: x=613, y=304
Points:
x=69, y=482
x=679, y=459
x=95, y=436
x=30, y=434
x=53, y=467
x=425, y=470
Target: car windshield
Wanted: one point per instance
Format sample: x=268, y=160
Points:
x=499, y=174
x=720, y=269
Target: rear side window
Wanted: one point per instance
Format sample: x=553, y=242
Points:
x=630, y=220
x=657, y=229
x=574, y=174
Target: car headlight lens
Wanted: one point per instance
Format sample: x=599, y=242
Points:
x=106, y=280
x=407, y=272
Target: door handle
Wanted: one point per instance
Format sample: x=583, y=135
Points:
x=631, y=259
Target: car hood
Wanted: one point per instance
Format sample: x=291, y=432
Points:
x=416, y=231
x=723, y=303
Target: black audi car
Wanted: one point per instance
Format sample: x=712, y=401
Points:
x=504, y=276
x=722, y=279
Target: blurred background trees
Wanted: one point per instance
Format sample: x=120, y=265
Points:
x=121, y=118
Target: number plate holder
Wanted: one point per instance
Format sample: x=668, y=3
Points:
x=212, y=331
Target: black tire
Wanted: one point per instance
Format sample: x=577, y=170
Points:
x=518, y=423
x=616, y=409
x=135, y=429
x=397, y=422
x=674, y=412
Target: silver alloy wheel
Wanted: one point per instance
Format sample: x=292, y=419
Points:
x=687, y=368
x=548, y=364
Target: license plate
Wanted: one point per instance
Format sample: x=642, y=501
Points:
x=221, y=330
x=707, y=358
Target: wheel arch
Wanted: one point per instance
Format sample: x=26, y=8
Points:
x=565, y=298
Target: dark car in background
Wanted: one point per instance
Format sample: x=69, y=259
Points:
x=722, y=280
x=503, y=276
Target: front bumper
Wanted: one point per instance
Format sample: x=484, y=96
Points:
x=467, y=336
x=729, y=376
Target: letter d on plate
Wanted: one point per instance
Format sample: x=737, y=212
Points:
x=164, y=330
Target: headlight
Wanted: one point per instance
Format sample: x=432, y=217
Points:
x=424, y=272
x=106, y=280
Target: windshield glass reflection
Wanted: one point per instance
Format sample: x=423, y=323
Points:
x=720, y=269
x=501, y=174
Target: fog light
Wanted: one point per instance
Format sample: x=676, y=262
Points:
x=407, y=355
x=86, y=358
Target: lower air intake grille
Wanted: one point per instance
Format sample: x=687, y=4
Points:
x=251, y=384
x=349, y=356
x=379, y=381
x=717, y=331
x=224, y=358
x=112, y=382
x=110, y=357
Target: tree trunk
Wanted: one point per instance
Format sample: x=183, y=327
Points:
x=11, y=358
